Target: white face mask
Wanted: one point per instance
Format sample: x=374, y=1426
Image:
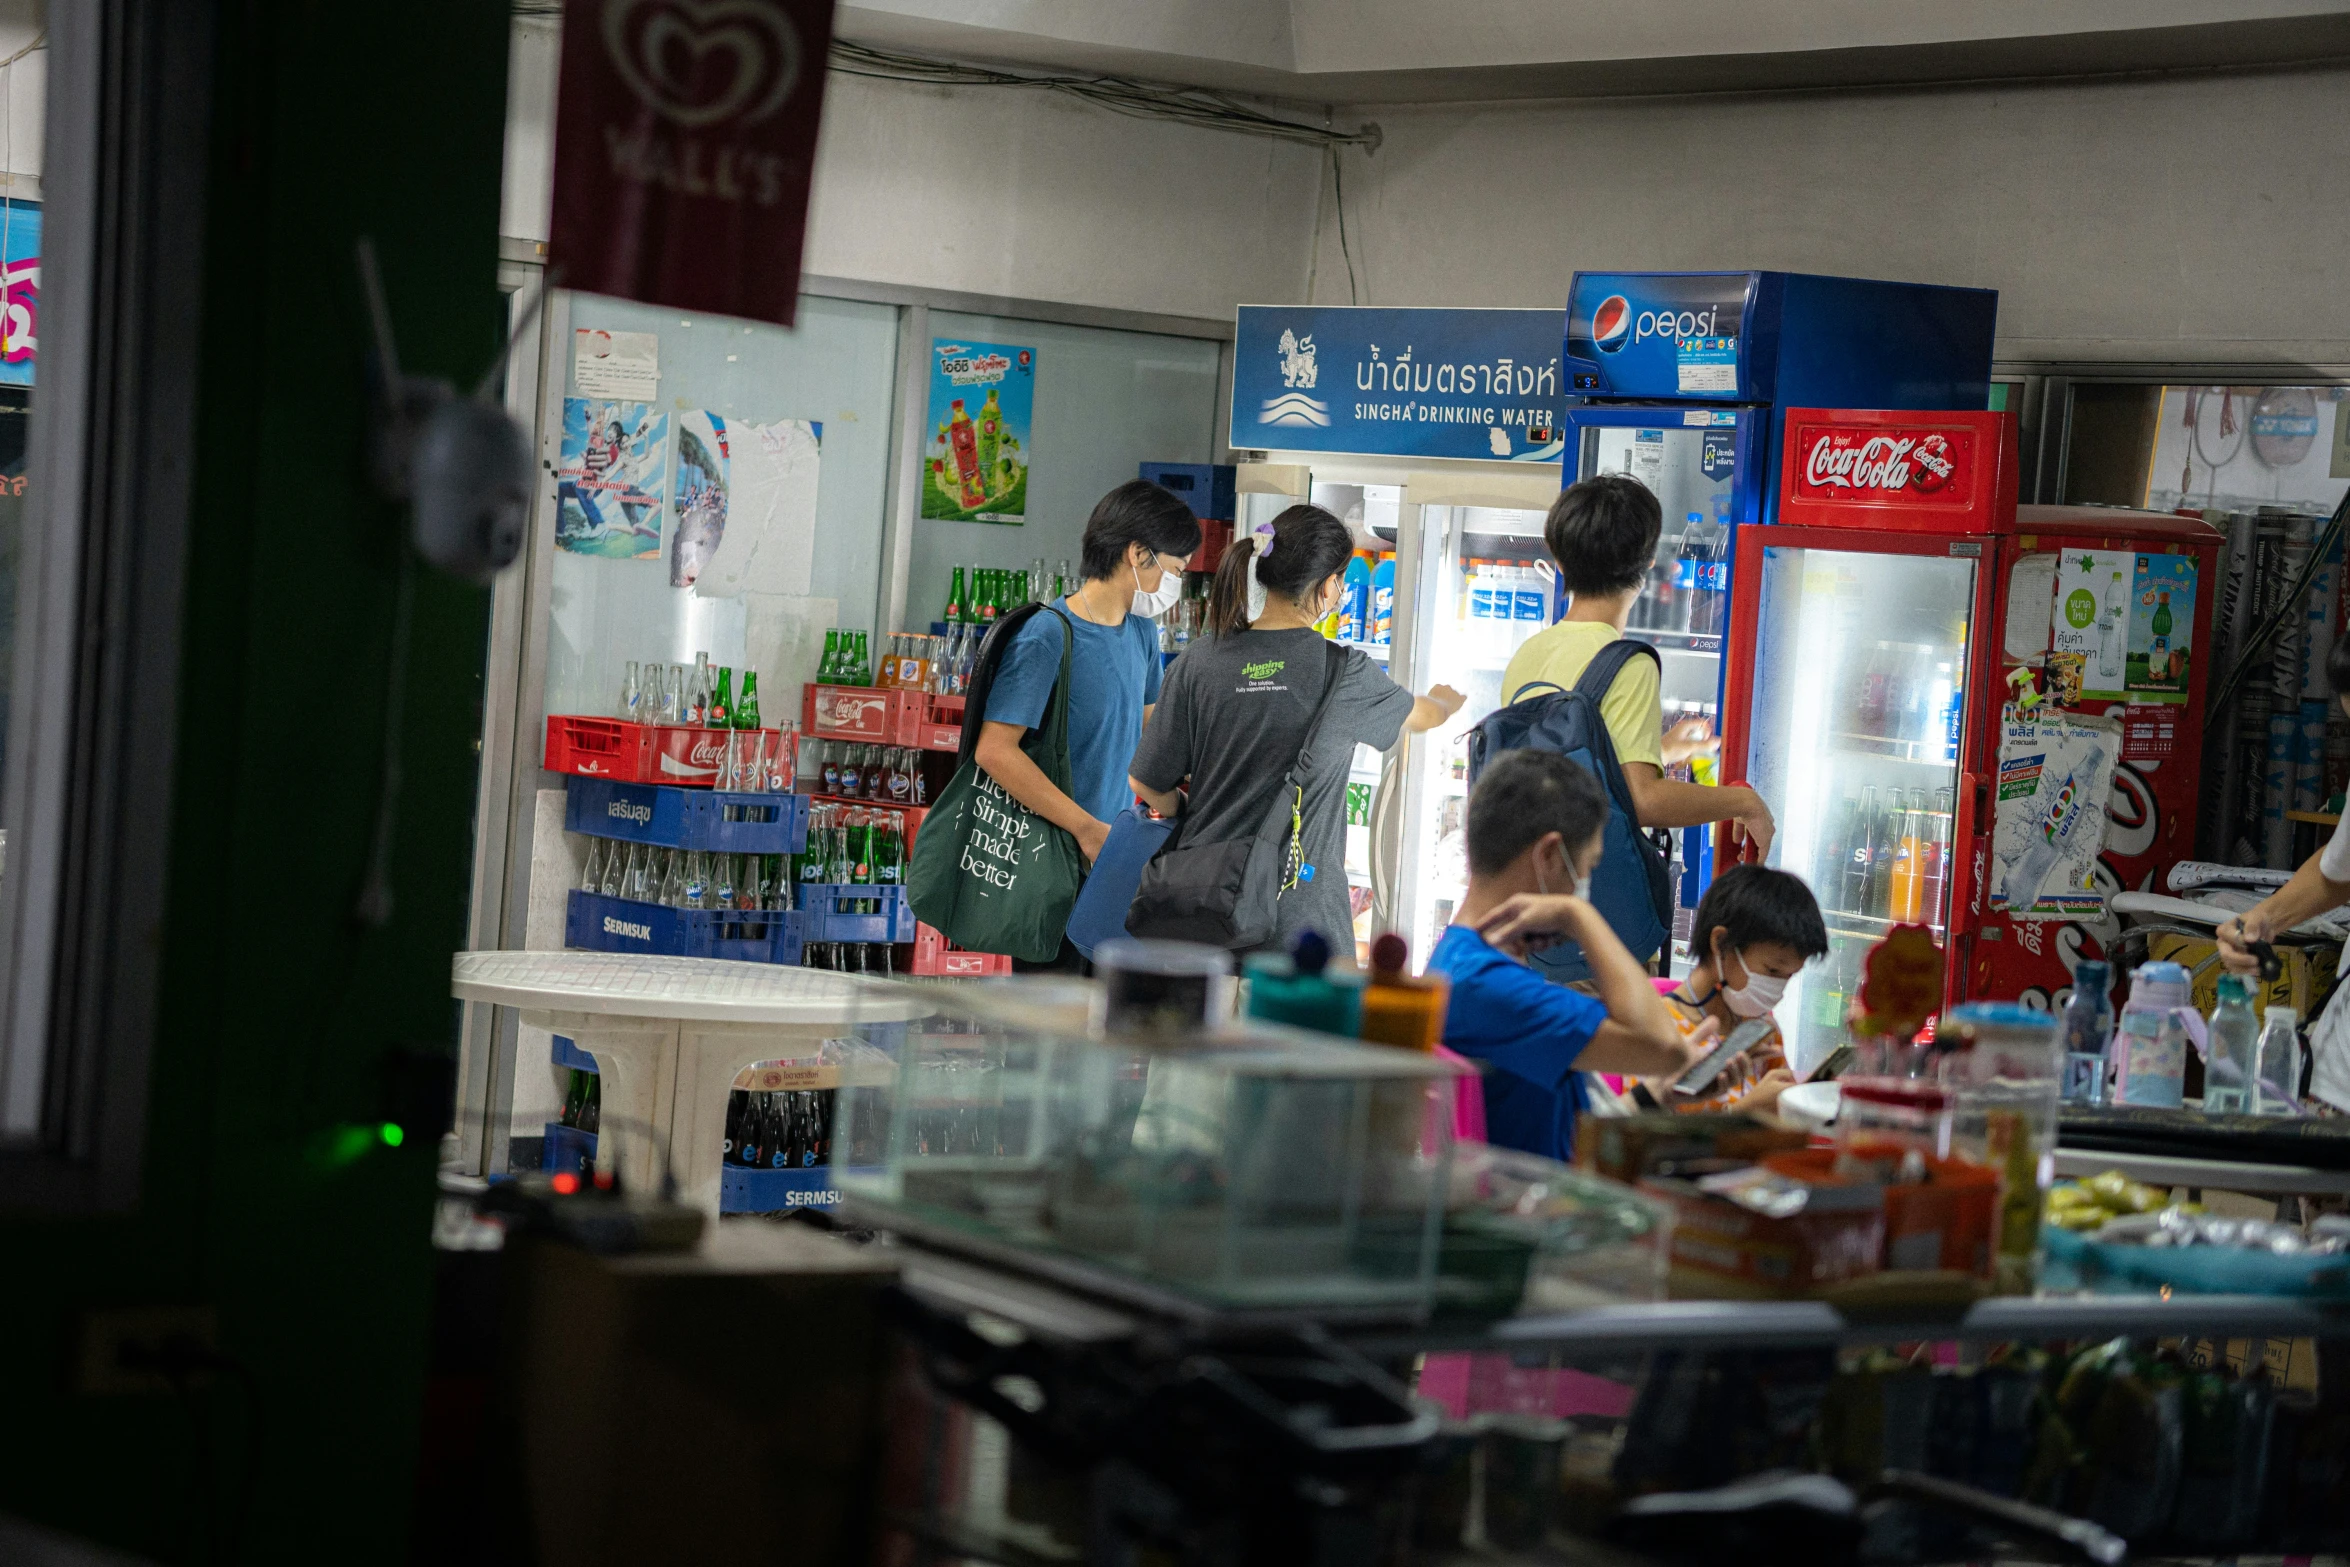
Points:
x=1757, y=996
x=1156, y=601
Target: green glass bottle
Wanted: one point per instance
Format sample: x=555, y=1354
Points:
x=829, y=665
x=720, y=713
x=746, y=706
x=955, y=608
x=861, y=851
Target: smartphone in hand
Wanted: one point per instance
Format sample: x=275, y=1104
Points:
x=1743, y=1038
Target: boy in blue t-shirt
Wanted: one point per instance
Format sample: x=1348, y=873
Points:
x=1533, y=830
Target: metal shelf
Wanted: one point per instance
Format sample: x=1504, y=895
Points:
x=1726, y=1324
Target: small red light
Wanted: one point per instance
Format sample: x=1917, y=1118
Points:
x=605, y=1181
x=565, y=1184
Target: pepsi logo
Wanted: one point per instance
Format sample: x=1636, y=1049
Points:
x=1611, y=323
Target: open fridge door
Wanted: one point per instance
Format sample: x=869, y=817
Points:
x=1481, y=583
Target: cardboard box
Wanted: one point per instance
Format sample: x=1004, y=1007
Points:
x=1628, y=1147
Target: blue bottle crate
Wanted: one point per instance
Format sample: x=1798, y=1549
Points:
x=600, y=924
x=569, y=1148
x=832, y=912
x=742, y=1189
x=568, y=1054
x=672, y=818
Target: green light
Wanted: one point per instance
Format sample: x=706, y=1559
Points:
x=392, y=1135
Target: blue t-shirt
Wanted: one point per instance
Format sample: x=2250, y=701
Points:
x=1528, y=1031
x=1113, y=676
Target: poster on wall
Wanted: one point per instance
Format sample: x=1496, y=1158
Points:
x=982, y=400
x=746, y=505
x=2048, y=826
x=2090, y=625
x=623, y=365
x=20, y=290
x=611, y=479
x=2162, y=622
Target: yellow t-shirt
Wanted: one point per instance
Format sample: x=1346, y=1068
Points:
x=1635, y=718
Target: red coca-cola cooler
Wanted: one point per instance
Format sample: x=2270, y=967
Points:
x=1874, y=627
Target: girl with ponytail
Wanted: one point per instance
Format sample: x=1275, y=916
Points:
x=1237, y=706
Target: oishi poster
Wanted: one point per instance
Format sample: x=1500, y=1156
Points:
x=612, y=479
x=982, y=398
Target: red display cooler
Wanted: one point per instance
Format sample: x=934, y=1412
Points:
x=1873, y=628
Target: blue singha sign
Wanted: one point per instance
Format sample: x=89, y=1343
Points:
x=1401, y=383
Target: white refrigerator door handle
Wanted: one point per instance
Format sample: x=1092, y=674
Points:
x=1387, y=835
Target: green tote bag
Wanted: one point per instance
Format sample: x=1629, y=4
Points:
x=988, y=872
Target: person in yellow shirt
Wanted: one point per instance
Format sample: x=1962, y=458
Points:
x=1602, y=532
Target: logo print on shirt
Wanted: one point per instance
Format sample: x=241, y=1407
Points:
x=1266, y=670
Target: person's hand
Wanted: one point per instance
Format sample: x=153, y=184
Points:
x=1754, y=827
x=1696, y=1045
x=1447, y=698
x=2236, y=936
x=1764, y=1095
x=1521, y=923
x=1690, y=737
x=1090, y=839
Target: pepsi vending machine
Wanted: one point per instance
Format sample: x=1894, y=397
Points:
x=1682, y=380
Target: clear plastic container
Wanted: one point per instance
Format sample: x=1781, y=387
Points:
x=1247, y=1165
x=2005, y=1063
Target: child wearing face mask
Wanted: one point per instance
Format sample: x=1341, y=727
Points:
x=1534, y=830
x=1239, y=703
x=1754, y=930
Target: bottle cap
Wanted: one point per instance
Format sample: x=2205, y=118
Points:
x=1311, y=952
x=2287, y=1013
x=1389, y=954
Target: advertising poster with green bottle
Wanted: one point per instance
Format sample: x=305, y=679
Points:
x=982, y=401
x=2089, y=652
x=2162, y=622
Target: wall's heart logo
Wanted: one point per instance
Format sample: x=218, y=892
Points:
x=702, y=61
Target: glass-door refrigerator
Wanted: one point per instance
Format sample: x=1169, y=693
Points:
x=1681, y=380
x=1857, y=699
x=1477, y=583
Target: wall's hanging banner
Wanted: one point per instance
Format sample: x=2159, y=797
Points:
x=982, y=405
x=685, y=136
x=1403, y=383
x=20, y=289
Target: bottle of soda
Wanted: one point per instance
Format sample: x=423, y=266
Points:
x=746, y=705
x=811, y=861
x=852, y=775
x=861, y=850
x=719, y=712
x=886, y=870
x=954, y=599
x=737, y=1107
x=837, y=865
x=988, y=606
x=575, y=1098
x=722, y=885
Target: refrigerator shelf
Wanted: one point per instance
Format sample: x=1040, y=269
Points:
x=1377, y=650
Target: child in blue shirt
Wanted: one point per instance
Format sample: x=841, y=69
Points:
x=1533, y=830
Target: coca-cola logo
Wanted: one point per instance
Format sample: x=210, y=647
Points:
x=1880, y=464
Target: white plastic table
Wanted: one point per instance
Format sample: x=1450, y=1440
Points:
x=669, y=1035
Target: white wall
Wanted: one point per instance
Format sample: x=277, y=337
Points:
x=1010, y=193
x=2189, y=219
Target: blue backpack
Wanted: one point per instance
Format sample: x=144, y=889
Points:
x=1633, y=887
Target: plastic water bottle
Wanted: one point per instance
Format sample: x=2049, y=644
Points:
x=2150, y=1047
x=2233, y=1059
x=2278, y=1087
x=2084, y=1031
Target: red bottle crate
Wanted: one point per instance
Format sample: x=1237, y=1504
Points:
x=912, y=813
x=882, y=715
x=941, y=725
x=934, y=955
x=874, y=715
x=634, y=753
x=599, y=747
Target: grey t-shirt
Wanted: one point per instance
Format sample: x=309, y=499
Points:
x=1232, y=716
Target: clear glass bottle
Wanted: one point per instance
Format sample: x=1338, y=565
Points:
x=697, y=880
x=2234, y=1060
x=592, y=878
x=2278, y=1089
x=632, y=694
x=672, y=879
x=616, y=870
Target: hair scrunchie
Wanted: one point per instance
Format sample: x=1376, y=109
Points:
x=1262, y=532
